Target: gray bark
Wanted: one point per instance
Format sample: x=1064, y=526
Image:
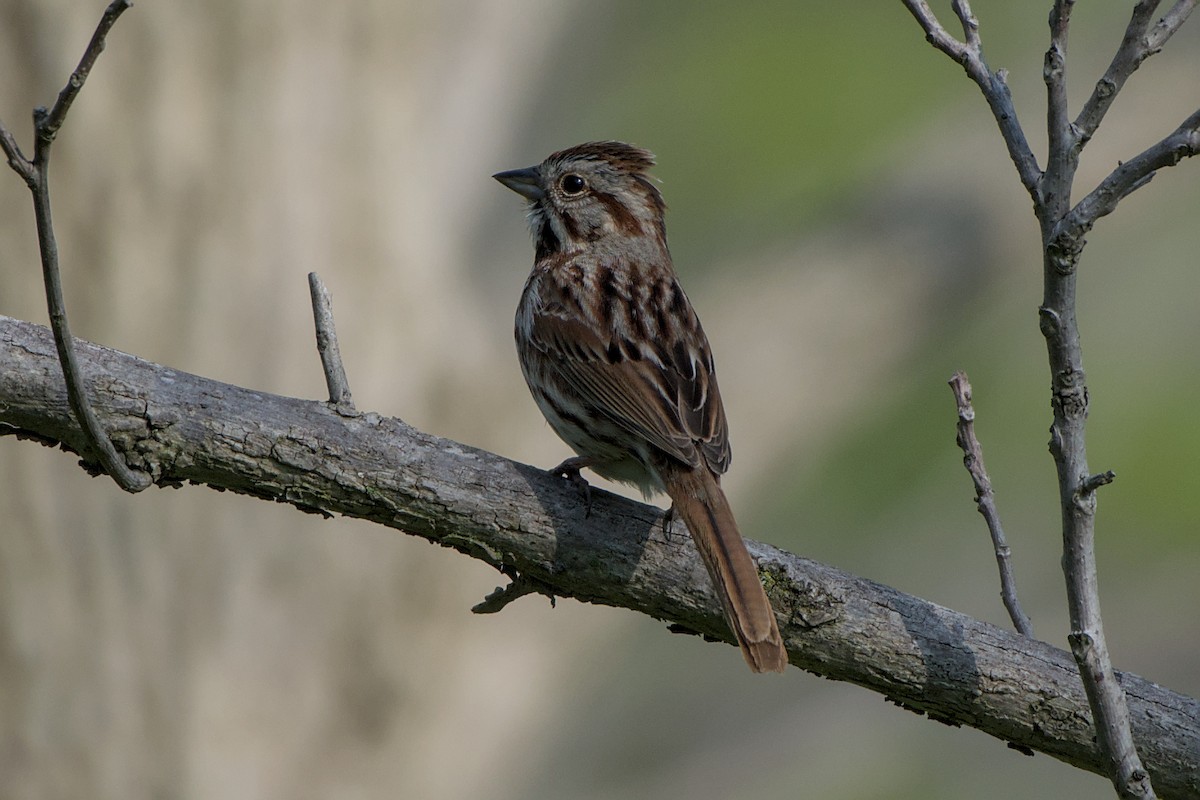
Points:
x=181, y=428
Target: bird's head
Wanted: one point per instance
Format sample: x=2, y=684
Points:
x=588, y=193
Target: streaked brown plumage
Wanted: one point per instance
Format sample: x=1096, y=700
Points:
x=615, y=358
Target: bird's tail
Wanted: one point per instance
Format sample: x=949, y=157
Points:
x=698, y=498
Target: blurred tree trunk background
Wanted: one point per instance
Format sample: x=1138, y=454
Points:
x=848, y=225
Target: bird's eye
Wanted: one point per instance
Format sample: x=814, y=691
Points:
x=572, y=184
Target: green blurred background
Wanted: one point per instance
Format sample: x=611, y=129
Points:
x=850, y=229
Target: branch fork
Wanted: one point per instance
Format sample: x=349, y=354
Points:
x=1063, y=228
x=36, y=174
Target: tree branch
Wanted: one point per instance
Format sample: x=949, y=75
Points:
x=1063, y=156
x=985, y=499
x=1062, y=231
x=1128, y=177
x=183, y=428
x=36, y=174
x=1136, y=46
x=53, y=119
x=1063, y=241
x=994, y=85
x=327, y=344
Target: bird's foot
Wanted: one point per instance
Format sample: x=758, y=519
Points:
x=668, y=523
x=569, y=469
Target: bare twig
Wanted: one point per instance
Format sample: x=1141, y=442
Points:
x=1128, y=177
x=36, y=174
x=970, y=25
x=1063, y=229
x=1165, y=28
x=1062, y=244
x=1063, y=156
x=994, y=85
x=56, y=116
x=1077, y=499
x=519, y=585
x=1094, y=482
x=985, y=499
x=1069, y=400
x=16, y=159
x=1139, y=43
x=327, y=344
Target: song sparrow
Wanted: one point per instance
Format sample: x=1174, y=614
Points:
x=618, y=363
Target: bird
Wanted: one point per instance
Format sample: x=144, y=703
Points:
x=616, y=360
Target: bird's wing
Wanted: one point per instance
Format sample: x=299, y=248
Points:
x=664, y=391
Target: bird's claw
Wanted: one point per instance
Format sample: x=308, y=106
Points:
x=668, y=523
x=569, y=469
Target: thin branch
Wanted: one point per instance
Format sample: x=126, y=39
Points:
x=985, y=499
x=1077, y=499
x=16, y=159
x=1128, y=177
x=54, y=119
x=1063, y=156
x=1114, y=726
x=1139, y=43
x=327, y=344
x=47, y=123
x=519, y=585
x=1165, y=28
x=994, y=85
x=936, y=35
x=1062, y=229
x=920, y=655
x=1133, y=50
x=1063, y=243
x=1094, y=482
x=970, y=25
x=36, y=175
x=1070, y=400
x=1130, y=777
x=127, y=479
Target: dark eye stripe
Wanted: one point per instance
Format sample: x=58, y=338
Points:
x=622, y=217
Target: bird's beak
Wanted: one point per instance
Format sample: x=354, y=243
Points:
x=525, y=182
